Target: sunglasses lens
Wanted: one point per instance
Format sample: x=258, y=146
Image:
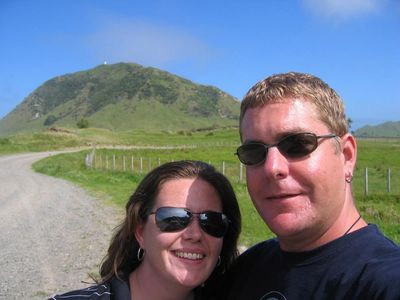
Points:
x=170, y=219
x=298, y=145
x=251, y=154
x=214, y=223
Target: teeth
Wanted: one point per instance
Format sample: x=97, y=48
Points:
x=188, y=255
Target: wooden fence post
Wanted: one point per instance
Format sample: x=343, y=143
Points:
x=388, y=180
x=366, y=181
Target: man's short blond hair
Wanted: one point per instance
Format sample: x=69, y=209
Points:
x=292, y=85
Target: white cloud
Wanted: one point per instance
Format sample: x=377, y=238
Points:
x=147, y=44
x=343, y=9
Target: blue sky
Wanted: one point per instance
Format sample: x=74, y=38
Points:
x=353, y=45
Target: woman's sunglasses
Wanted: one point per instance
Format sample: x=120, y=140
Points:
x=292, y=146
x=170, y=219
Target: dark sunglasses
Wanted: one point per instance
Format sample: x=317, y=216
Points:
x=170, y=219
x=292, y=146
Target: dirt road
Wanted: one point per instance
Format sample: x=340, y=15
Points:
x=52, y=234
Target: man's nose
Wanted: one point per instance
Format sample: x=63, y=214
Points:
x=275, y=164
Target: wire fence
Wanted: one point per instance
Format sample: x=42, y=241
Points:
x=366, y=180
x=142, y=165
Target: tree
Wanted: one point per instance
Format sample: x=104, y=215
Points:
x=349, y=122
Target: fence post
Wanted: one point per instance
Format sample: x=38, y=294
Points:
x=123, y=162
x=223, y=167
x=113, y=161
x=141, y=165
x=366, y=181
x=132, y=164
x=240, y=172
x=88, y=163
x=106, y=162
x=388, y=180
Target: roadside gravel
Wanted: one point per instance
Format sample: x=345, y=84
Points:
x=52, y=234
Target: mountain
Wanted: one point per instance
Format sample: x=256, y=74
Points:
x=123, y=96
x=387, y=129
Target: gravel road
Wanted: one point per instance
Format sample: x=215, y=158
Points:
x=52, y=234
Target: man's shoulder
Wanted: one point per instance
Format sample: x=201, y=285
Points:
x=387, y=263
x=95, y=292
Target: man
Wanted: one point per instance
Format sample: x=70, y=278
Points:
x=299, y=161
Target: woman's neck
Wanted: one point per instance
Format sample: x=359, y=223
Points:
x=146, y=286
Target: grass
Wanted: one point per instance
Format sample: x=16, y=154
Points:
x=115, y=186
x=41, y=141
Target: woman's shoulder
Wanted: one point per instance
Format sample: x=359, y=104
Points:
x=95, y=292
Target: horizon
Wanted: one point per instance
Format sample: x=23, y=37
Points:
x=352, y=45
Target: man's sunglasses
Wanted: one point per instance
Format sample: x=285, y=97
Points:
x=171, y=219
x=292, y=146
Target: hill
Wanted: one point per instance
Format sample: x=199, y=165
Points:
x=122, y=96
x=387, y=129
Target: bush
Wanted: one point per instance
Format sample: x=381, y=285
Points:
x=82, y=123
x=49, y=120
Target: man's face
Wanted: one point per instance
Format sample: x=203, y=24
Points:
x=299, y=199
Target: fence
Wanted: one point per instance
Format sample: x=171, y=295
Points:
x=142, y=165
x=366, y=180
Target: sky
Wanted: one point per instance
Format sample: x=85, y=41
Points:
x=353, y=45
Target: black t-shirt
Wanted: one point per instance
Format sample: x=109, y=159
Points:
x=361, y=265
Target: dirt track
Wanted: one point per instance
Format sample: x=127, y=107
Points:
x=52, y=234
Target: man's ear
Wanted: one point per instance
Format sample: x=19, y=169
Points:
x=349, y=150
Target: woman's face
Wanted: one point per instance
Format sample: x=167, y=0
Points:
x=186, y=257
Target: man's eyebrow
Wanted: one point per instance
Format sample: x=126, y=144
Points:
x=279, y=136
x=295, y=130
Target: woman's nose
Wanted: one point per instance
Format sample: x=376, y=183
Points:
x=193, y=231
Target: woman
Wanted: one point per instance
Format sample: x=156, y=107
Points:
x=179, y=235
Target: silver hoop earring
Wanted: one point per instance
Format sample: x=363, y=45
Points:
x=219, y=261
x=140, y=254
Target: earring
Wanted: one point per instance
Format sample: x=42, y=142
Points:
x=349, y=178
x=219, y=261
x=140, y=254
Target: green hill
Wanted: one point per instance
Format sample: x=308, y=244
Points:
x=123, y=96
x=387, y=129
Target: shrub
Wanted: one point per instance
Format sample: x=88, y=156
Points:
x=82, y=123
x=50, y=120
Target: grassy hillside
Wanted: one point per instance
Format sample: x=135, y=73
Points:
x=122, y=97
x=387, y=129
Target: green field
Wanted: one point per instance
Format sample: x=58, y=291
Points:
x=113, y=179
